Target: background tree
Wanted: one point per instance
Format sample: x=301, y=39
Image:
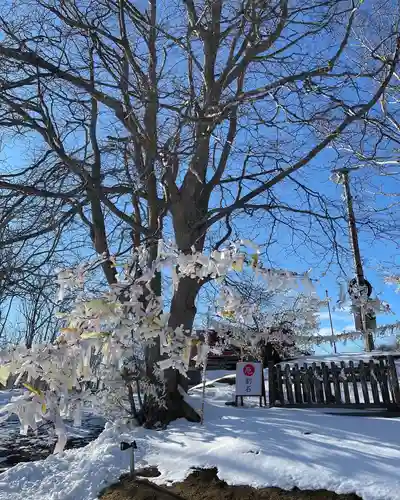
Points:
x=38, y=314
x=283, y=322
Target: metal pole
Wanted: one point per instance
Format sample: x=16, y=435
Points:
x=205, y=370
x=132, y=469
x=359, y=317
x=204, y=392
x=330, y=320
x=132, y=447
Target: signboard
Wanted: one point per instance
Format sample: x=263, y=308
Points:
x=249, y=379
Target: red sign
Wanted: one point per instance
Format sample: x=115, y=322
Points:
x=249, y=370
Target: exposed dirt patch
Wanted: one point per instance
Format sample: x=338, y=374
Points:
x=15, y=448
x=205, y=485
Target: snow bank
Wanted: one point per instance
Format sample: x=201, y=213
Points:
x=344, y=356
x=5, y=396
x=77, y=475
x=256, y=446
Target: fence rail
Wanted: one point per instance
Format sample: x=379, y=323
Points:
x=372, y=384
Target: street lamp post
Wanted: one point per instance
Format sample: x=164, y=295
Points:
x=363, y=322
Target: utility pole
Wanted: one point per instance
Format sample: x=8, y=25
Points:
x=333, y=342
x=363, y=322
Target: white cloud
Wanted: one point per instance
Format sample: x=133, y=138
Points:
x=336, y=316
x=323, y=316
x=326, y=331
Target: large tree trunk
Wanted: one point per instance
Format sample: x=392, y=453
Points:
x=183, y=306
x=183, y=312
x=187, y=208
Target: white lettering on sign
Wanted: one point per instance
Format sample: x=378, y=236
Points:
x=248, y=378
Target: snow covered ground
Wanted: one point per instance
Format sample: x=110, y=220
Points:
x=5, y=396
x=256, y=446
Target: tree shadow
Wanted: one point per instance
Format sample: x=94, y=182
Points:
x=276, y=447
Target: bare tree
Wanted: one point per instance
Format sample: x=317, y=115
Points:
x=282, y=324
x=180, y=119
x=37, y=315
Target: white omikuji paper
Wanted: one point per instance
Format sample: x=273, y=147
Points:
x=248, y=379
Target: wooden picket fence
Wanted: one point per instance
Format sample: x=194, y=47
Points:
x=372, y=384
